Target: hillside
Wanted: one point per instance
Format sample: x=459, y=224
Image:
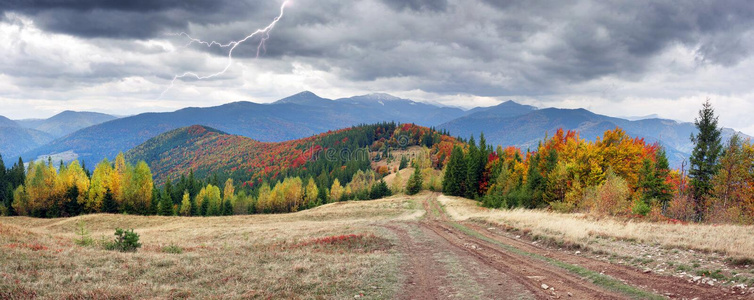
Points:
x=17, y=140
x=5, y=122
x=207, y=151
x=301, y=115
x=66, y=122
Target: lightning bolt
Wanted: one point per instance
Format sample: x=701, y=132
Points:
x=265, y=35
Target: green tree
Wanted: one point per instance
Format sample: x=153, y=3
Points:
x=414, y=184
x=379, y=190
x=404, y=163
x=453, y=182
x=165, y=206
x=108, y=202
x=474, y=169
x=704, y=157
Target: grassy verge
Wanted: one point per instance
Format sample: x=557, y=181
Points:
x=602, y=280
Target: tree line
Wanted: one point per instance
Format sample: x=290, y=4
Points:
x=614, y=175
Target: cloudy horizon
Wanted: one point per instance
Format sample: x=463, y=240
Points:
x=622, y=58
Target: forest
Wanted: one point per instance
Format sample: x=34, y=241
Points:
x=297, y=180
x=615, y=175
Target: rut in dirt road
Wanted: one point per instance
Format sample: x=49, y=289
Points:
x=535, y=267
x=484, y=272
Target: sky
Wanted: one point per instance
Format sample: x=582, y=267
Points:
x=619, y=58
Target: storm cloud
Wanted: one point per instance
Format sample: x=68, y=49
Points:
x=462, y=53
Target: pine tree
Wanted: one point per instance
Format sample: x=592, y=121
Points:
x=379, y=190
x=227, y=208
x=473, y=170
x=165, y=207
x=108, y=203
x=3, y=190
x=204, y=207
x=455, y=173
x=414, y=184
x=404, y=163
x=704, y=157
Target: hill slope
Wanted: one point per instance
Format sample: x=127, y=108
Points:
x=5, y=122
x=66, y=122
x=17, y=140
x=207, y=151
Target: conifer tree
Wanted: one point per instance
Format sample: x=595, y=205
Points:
x=704, y=157
x=379, y=190
x=227, y=208
x=455, y=173
x=165, y=206
x=108, y=202
x=414, y=184
x=474, y=170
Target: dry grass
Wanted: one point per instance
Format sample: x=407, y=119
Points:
x=732, y=240
x=310, y=254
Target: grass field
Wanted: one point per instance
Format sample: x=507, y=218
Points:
x=333, y=251
x=339, y=250
x=733, y=240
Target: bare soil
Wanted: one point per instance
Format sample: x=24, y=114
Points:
x=512, y=268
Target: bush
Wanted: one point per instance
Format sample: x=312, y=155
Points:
x=640, y=207
x=126, y=240
x=172, y=249
x=84, y=238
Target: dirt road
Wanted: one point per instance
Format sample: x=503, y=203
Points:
x=448, y=259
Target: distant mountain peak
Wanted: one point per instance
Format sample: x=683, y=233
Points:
x=382, y=96
x=305, y=97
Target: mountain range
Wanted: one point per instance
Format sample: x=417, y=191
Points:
x=306, y=114
x=20, y=136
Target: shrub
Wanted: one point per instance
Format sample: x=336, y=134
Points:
x=126, y=240
x=84, y=238
x=172, y=249
x=612, y=196
x=681, y=207
x=640, y=207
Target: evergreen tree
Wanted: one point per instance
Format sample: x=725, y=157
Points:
x=652, y=180
x=165, y=205
x=227, y=208
x=204, y=208
x=379, y=190
x=3, y=190
x=404, y=163
x=71, y=206
x=455, y=173
x=414, y=184
x=535, y=183
x=473, y=170
x=108, y=203
x=704, y=157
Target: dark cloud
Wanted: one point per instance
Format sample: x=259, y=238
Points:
x=418, y=5
x=139, y=19
x=480, y=47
